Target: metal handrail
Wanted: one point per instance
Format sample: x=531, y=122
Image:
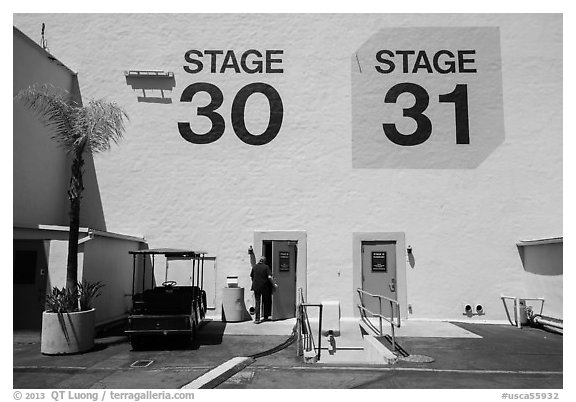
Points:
x=306, y=329
x=517, y=318
x=303, y=326
x=393, y=304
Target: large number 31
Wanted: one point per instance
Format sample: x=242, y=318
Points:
x=238, y=110
x=423, y=124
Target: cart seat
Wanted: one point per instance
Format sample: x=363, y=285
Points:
x=170, y=300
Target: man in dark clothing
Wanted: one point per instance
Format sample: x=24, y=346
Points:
x=262, y=284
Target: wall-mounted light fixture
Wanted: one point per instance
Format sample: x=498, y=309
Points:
x=152, y=83
x=409, y=249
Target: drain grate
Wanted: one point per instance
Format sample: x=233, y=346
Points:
x=416, y=359
x=142, y=363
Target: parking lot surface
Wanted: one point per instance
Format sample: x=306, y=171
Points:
x=499, y=357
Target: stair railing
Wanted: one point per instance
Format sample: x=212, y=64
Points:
x=394, y=306
x=305, y=335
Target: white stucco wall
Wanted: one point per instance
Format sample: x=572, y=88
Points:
x=107, y=260
x=463, y=224
x=41, y=169
x=39, y=194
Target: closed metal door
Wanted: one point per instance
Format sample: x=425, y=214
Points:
x=284, y=273
x=379, y=275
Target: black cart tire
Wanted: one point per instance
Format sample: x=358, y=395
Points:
x=137, y=342
x=192, y=336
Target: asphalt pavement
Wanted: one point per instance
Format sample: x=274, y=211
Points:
x=496, y=357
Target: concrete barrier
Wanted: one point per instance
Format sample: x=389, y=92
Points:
x=376, y=352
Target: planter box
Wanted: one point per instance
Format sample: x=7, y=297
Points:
x=67, y=333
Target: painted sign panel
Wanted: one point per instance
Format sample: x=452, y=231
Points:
x=211, y=104
x=284, y=260
x=427, y=98
x=379, y=261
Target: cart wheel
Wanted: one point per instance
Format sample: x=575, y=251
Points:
x=192, y=337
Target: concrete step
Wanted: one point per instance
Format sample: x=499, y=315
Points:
x=350, y=356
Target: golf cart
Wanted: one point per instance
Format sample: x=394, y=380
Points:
x=171, y=309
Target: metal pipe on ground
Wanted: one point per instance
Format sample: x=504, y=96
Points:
x=547, y=321
x=553, y=329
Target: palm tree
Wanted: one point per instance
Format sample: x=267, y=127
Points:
x=78, y=129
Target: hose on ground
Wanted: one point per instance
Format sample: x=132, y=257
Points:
x=277, y=348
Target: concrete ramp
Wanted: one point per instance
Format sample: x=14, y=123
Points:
x=354, y=346
x=358, y=343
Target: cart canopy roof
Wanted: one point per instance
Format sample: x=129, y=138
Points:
x=170, y=252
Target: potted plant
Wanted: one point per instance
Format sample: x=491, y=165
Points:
x=79, y=129
x=68, y=320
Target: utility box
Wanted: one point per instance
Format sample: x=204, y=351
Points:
x=331, y=318
x=233, y=306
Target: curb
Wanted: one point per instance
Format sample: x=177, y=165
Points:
x=219, y=374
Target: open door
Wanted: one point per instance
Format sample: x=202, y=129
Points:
x=283, y=264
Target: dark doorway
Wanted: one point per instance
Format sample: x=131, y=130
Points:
x=30, y=267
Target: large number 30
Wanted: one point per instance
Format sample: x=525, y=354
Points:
x=238, y=110
x=423, y=124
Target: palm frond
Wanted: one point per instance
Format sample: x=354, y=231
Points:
x=78, y=129
x=75, y=127
x=54, y=107
x=103, y=124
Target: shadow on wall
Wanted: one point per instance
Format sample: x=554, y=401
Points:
x=542, y=258
x=411, y=260
x=91, y=212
